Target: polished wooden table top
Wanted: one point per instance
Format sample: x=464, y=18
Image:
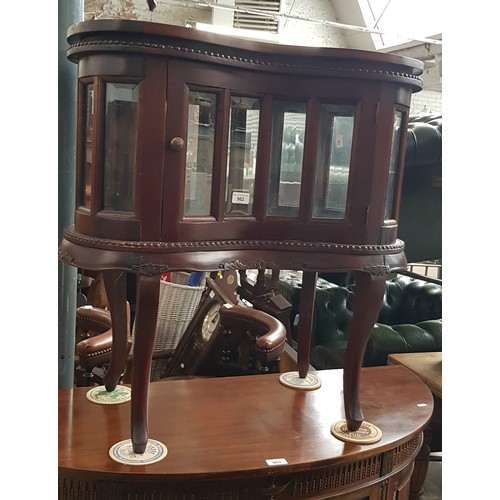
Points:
x=234, y=424
x=427, y=365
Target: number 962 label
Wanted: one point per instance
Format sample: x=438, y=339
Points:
x=240, y=197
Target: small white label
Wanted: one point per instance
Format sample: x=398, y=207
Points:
x=241, y=197
x=276, y=461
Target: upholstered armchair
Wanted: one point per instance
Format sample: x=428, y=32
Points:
x=251, y=339
x=93, y=343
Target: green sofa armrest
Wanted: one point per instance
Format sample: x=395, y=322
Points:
x=425, y=336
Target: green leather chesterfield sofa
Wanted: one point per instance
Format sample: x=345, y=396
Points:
x=421, y=196
x=409, y=319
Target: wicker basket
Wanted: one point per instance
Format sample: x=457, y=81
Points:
x=177, y=305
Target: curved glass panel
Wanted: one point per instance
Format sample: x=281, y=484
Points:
x=85, y=190
x=393, y=165
x=120, y=138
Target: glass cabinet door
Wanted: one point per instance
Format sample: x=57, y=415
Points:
x=242, y=155
x=287, y=151
x=85, y=185
x=120, y=138
x=200, y=153
x=333, y=161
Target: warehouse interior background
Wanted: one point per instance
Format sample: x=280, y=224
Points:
x=380, y=25
x=30, y=204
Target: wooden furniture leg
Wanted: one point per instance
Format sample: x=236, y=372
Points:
x=421, y=466
x=116, y=291
x=148, y=294
x=304, y=328
x=368, y=298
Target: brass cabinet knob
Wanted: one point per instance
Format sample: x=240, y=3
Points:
x=177, y=143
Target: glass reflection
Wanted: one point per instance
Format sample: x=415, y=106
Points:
x=393, y=165
x=242, y=154
x=199, y=153
x=287, y=151
x=120, y=146
x=333, y=163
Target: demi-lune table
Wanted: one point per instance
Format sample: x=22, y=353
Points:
x=251, y=438
x=428, y=367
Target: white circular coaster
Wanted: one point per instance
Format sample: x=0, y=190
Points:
x=123, y=453
x=292, y=379
x=366, y=434
x=101, y=396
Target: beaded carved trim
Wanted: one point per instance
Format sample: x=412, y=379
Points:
x=184, y=246
x=351, y=70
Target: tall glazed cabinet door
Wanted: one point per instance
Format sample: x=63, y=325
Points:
x=212, y=132
x=248, y=156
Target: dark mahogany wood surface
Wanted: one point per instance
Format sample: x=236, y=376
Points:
x=153, y=232
x=160, y=37
x=225, y=428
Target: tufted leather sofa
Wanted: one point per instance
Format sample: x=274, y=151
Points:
x=409, y=319
x=421, y=196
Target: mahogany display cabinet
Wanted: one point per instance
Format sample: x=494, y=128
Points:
x=201, y=152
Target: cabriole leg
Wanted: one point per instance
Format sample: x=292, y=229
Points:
x=306, y=313
x=367, y=302
x=148, y=292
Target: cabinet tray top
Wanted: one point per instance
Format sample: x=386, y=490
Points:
x=148, y=37
x=193, y=137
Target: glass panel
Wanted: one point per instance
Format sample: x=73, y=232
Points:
x=85, y=193
x=120, y=146
x=242, y=154
x=199, y=153
x=393, y=165
x=287, y=151
x=333, y=163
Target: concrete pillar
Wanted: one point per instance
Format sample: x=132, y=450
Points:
x=70, y=12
